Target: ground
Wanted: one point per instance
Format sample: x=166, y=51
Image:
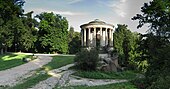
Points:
x=51, y=71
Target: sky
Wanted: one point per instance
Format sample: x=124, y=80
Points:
x=79, y=12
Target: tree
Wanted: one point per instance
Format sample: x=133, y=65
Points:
x=52, y=34
x=156, y=42
x=9, y=11
x=74, y=41
x=30, y=24
x=21, y=36
x=125, y=42
x=71, y=34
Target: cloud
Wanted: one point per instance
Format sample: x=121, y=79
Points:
x=67, y=13
x=74, y=1
x=118, y=7
x=122, y=1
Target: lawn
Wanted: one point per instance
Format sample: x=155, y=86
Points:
x=8, y=61
x=57, y=62
x=126, y=85
x=107, y=75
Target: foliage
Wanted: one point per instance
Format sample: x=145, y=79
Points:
x=162, y=82
x=126, y=85
x=126, y=43
x=22, y=38
x=87, y=59
x=30, y=24
x=106, y=75
x=52, y=34
x=8, y=61
x=18, y=31
x=74, y=41
x=155, y=45
x=9, y=11
x=15, y=34
x=140, y=83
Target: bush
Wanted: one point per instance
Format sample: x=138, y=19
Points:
x=162, y=82
x=87, y=59
x=140, y=83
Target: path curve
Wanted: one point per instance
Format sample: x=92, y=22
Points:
x=11, y=77
x=59, y=77
x=62, y=77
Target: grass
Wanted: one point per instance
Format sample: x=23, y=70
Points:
x=8, y=61
x=57, y=62
x=126, y=85
x=106, y=75
x=31, y=81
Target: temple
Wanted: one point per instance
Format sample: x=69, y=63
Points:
x=97, y=34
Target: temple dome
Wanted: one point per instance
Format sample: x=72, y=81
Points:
x=96, y=22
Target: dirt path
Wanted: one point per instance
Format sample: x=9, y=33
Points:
x=14, y=75
x=62, y=77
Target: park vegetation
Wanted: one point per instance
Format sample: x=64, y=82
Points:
x=44, y=33
x=146, y=53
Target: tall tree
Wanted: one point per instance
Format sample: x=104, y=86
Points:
x=30, y=24
x=156, y=42
x=53, y=34
x=8, y=11
x=125, y=42
x=74, y=41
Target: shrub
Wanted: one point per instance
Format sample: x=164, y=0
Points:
x=163, y=82
x=140, y=83
x=87, y=59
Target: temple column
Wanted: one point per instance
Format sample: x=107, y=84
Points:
x=89, y=37
x=84, y=37
x=106, y=38
x=81, y=37
x=112, y=37
x=94, y=37
x=109, y=37
x=101, y=36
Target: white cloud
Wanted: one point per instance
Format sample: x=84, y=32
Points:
x=74, y=1
x=120, y=13
x=118, y=7
x=122, y=1
x=67, y=13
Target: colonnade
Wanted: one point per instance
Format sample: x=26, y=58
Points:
x=96, y=36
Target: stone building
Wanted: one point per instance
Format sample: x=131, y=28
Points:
x=97, y=34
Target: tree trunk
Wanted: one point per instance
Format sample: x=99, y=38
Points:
x=2, y=51
x=5, y=49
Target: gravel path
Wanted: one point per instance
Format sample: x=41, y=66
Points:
x=62, y=77
x=11, y=77
x=92, y=82
x=59, y=77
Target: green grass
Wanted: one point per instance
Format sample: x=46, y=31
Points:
x=106, y=75
x=31, y=81
x=57, y=62
x=126, y=85
x=8, y=61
